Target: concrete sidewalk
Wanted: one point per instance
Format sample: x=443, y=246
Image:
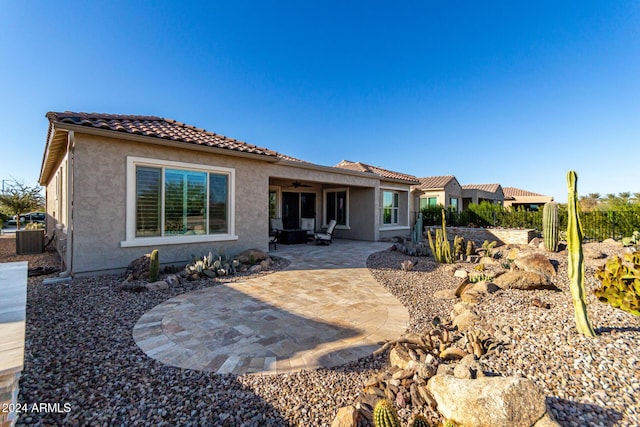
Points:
x=324, y=310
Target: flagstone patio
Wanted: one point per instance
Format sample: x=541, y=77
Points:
x=323, y=310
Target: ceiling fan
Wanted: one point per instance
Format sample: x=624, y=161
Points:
x=297, y=184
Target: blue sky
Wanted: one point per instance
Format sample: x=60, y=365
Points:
x=515, y=93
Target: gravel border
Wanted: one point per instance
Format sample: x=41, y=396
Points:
x=79, y=350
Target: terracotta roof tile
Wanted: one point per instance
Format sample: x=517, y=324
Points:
x=159, y=127
x=490, y=188
x=432, y=182
x=363, y=167
x=511, y=192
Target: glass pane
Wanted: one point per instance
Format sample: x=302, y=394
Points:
x=387, y=199
x=395, y=216
x=341, y=208
x=423, y=203
x=273, y=203
x=395, y=200
x=218, y=204
x=331, y=206
x=184, y=202
x=147, y=201
x=386, y=216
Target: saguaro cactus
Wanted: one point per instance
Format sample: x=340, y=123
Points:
x=154, y=266
x=576, y=259
x=550, y=226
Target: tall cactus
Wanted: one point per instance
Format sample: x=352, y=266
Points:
x=441, y=248
x=385, y=415
x=154, y=266
x=550, y=226
x=576, y=259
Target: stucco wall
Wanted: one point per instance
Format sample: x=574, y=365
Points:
x=361, y=215
x=99, y=212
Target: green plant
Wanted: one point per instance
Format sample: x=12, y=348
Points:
x=154, y=266
x=419, y=421
x=634, y=240
x=385, y=415
x=458, y=246
x=620, y=279
x=34, y=226
x=550, y=226
x=441, y=248
x=471, y=248
x=481, y=277
x=488, y=248
x=576, y=259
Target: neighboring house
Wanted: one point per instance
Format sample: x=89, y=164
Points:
x=478, y=193
x=517, y=198
x=438, y=190
x=395, y=202
x=118, y=186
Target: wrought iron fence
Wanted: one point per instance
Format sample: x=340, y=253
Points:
x=596, y=225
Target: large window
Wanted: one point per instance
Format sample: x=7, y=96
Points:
x=172, y=202
x=428, y=202
x=336, y=206
x=390, y=207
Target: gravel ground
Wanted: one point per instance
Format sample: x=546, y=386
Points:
x=80, y=351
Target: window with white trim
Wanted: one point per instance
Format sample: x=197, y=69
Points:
x=390, y=207
x=175, y=202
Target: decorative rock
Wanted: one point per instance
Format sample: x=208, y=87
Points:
x=252, y=256
x=524, y=280
x=483, y=288
x=488, y=401
x=446, y=369
x=465, y=320
x=139, y=267
x=209, y=273
x=159, y=285
x=537, y=263
x=591, y=252
x=347, y=416
x=468, y=368
x=172, y=280
x=546, y=421
x=445, y=294
x=463, y=274
x=254, y=269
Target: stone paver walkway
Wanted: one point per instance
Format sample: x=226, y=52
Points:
x=324, y=310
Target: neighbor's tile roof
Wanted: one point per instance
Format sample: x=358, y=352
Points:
x=490, y=188
x=159, y=127
x=432, y=182
x=510, y=192
x=363, y=167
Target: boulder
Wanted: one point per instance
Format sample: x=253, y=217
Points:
x=536, y=263
x=461, y=273
x=468, y=368
x=465, y=320
x=156, y=286
x=255, y=269
x=138, y=268
x=400, y=358
x=445, y=294
x=488, y=401
x=524, y=280
x=252, y=256
x=592, y=252
x=347, y=416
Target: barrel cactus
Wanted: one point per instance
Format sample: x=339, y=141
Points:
x=550, y=226
x=576, y=259
x=620, y=279
x=419, y=421
x=385, y=415
x=154, y=266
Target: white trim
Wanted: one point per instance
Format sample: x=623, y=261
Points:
x=394, y=227
x=130, y=231
x=394, y=188
x=396, y=208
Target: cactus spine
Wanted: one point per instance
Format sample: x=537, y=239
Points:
x=620, y=279
x=441, y=248
x=154, y=266
x=550, y=226
x=576, y=259
x=385, y=415
x=419, y=421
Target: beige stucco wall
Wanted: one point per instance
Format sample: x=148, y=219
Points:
x=99, y=212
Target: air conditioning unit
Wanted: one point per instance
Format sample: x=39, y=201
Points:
x=29, y=242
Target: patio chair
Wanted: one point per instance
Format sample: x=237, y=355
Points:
x=276, y=227
x=327, y=236
x=309, y=225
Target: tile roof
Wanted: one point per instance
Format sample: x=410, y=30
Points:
x=490, y=188
x=363, y=167
x=159, y=127
x=432, y=182
x=511, y=192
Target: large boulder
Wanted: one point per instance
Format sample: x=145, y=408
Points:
x=488, y=401
x=525, y=280
x=138, y=268
x=536, y=263
x=347, y=416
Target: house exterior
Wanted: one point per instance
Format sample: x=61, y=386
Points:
x=438, y=190
x=517, y=198
x=478, y=193
x=119, y=186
